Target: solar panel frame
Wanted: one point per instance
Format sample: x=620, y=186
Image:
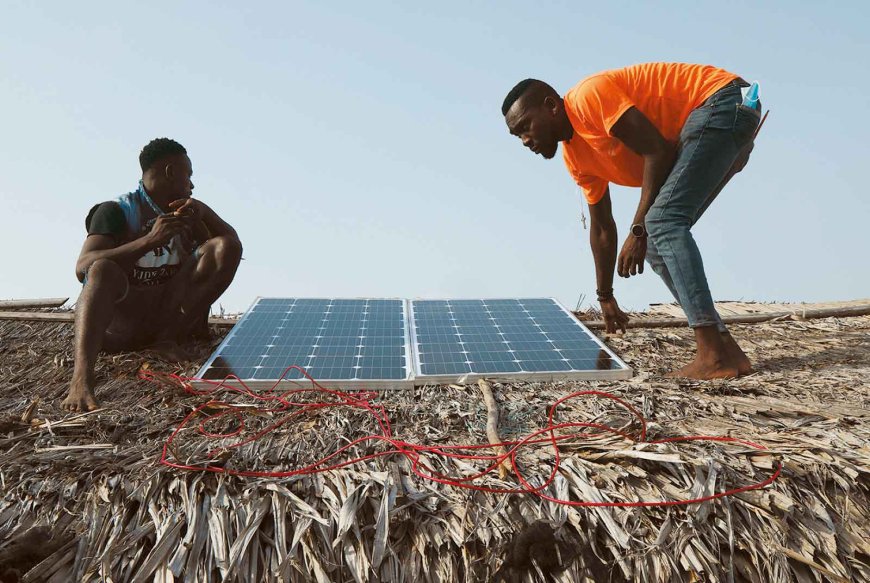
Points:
x=380, y=350
x=623, y=371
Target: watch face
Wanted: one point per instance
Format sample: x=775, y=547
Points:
x=638, y=230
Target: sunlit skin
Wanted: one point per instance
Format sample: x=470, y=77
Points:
x=538, y=118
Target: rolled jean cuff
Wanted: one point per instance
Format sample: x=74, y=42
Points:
x=708, y=321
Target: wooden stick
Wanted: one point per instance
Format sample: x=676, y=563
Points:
x=844, y=312
x=761, y=123
x=70, y=317
x=36, y=303
x=75, y=447
x=492, y=426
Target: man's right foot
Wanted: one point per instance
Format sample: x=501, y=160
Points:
x=736, y=355
x=80, y=399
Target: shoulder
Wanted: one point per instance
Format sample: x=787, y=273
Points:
x=596, y=103
x=591, y=85
x=107, y=208
x=105, y=218
x=593, y=97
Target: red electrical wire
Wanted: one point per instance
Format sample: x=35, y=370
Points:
x=285, y=403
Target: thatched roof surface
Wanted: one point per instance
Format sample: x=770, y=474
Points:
x=84, y=499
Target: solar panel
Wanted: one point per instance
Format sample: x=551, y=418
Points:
x=340, y=342
x=459, y=340
x=393, y=343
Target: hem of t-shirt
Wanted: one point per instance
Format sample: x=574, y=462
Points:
x=116, y=236
x=593, y=203
x=596, y=201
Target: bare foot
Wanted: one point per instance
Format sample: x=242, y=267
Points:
x=736, y=355
x=169, y=350
x=704, y=371
x=80, y=399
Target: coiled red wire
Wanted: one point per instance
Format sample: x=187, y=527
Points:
x=284, y=403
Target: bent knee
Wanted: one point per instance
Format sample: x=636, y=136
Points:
x=106, y=272
x=658, y=227
x=227, y=251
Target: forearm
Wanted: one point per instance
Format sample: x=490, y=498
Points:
x=656, y=168
x=216, y=226
x=124, y=255
x=603, y=241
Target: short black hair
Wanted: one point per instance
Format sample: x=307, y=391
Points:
x=522, y=88
x=158, y=149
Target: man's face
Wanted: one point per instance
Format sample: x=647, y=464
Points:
x=535, y=125
x=179, y=176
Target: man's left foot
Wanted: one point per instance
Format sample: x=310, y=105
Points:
x=736, y=355
x=80, y=398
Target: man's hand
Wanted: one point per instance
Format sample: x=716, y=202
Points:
x=614, y=318
x=165, y=228
x=188, y=208
x=202, y=220
x=631, y=257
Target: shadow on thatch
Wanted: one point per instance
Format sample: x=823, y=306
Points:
x=84, y=497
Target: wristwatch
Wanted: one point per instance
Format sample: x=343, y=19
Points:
x=638, y=230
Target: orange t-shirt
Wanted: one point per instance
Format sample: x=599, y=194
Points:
x=666, y=93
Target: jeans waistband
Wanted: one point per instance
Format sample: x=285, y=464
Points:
x=734, y=84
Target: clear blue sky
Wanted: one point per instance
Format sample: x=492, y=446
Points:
x=359, y=150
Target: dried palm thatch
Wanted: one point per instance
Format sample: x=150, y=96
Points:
x=83, y=498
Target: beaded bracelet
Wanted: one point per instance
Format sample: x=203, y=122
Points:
x=604, y=294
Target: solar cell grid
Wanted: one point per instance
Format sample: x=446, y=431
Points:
x=459, y=337
x=332, y=339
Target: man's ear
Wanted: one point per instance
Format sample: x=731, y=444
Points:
x=552, y=104
x=168, y=171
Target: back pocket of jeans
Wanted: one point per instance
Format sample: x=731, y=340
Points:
x=745, y=121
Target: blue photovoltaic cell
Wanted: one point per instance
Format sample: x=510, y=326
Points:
x=331, y=339
x=512, y=336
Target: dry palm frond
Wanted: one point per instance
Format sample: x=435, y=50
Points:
x=88, y=492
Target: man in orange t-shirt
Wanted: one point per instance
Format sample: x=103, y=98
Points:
x=677, y=131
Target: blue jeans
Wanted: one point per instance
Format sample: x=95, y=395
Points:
x=710, y=141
